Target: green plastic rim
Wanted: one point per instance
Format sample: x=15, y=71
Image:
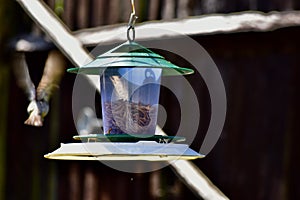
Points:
x=130, y=55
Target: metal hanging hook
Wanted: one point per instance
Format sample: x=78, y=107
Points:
x=131, y=23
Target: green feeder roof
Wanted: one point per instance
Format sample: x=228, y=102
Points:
x=130, y=55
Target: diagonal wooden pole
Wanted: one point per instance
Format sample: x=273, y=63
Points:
x=73, y=49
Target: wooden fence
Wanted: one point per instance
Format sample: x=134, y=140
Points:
x=78, y=14
x=256, y=157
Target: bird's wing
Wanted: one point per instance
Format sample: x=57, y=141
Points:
x=53, y=71
x=23, y=79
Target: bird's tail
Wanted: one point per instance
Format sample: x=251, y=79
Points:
x=37, y=111
x=34, y=120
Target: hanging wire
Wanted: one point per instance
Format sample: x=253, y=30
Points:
x=131, y=23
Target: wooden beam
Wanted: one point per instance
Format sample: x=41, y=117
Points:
x=200, y=25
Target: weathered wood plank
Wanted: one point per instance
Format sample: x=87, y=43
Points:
x=126, y=10
x=75, y=182
x=153, y=9
x=51, y=3
x=83, y=13
x=114, y=14
x=69, y=13
x=97, y=13
x=168, y=11
x=182, y=10
x=4, y=88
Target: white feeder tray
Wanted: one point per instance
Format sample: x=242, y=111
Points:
x=141, y=150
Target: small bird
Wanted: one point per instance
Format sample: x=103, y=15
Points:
x=39, y=98
x=87, y=122
x=37, y=111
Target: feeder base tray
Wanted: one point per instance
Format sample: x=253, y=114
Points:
x=142, y=150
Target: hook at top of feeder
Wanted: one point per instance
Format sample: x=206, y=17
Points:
x=131, y=23
x=130, y=38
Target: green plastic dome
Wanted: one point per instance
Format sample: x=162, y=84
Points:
x=127, y=55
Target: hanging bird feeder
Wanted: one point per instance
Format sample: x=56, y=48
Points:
x=130, y=76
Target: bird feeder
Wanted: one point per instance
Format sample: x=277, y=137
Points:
x=130, y=76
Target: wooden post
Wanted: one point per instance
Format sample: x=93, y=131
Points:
x=6, y=30
x=153, y=9
x=4, y=88
x=126, y=10
x=182, y=10
x=114, y=14
x=168, y=11
x=83, y=13
x=90, y=187
x=69, y=13
x=98, y=14
x=75, y=181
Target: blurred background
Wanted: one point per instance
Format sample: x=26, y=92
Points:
x=257, y=156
